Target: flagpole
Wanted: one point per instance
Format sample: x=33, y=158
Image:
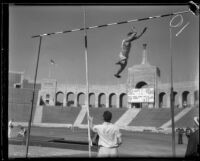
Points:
x=50, y=70
x=87, y=85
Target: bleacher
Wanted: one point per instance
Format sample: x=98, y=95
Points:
x=20, y=106
x=21, y=96
x=187, y=120
x=20, y=103
x=20, y=112
x=97, y=114
x=60, y=114
x=153, y=117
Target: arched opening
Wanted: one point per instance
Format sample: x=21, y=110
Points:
x=185, y=98
x=91, y=100
x=70, y=99
x=112, y=100
x=102, y=100
x=59, y=98
x=162, y=100
x=81, y=99
x=123, y=100
x=141, y=85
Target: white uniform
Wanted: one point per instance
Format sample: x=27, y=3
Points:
x=109, y=136
x=125, y=50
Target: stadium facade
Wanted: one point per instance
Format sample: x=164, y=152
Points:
x=141, y=76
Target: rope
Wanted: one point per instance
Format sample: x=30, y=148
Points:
x=111, y=24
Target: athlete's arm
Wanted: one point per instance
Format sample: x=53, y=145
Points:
x=141, y=33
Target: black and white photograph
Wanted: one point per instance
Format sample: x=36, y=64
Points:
x=103, y=81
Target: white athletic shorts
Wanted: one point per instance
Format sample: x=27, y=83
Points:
x=107, y=152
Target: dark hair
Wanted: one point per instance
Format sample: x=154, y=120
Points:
x=107, y=116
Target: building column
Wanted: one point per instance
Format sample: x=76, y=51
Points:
x=75, y=99
x=191, y=99
x=180, y=100
x=64, y=100
x=38, y=99
x=96, y=100
x=117, y=101
x=168, y=99
x=107, y=101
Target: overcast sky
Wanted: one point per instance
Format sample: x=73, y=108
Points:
x=104, y=44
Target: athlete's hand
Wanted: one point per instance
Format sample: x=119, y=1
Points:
x=145, y=29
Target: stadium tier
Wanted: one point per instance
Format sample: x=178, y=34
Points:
x=60, y=114
x=153, y=117
x=97, y=114
x=21, y=96
x=20, y=112
x=187, y=120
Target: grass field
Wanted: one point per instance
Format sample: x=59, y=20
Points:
x=135, y=144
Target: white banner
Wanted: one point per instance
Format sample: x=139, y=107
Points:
x=141, y=95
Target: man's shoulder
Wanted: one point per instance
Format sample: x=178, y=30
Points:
x=98, y=126
x=114, y=126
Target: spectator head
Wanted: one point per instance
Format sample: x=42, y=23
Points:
x=107, y=116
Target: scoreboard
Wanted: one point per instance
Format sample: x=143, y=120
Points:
x=141, y=95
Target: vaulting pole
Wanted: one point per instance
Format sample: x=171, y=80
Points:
x=87, y=85
x=172, y=97
x=30, y=119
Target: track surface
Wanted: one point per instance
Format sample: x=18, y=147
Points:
x=135, y=144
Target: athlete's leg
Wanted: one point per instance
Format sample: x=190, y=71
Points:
x=122, y=67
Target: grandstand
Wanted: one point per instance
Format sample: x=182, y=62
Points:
x=153, y=117
x=97, y=114
x=187, y=120
x=20, y=102
x=59, y=114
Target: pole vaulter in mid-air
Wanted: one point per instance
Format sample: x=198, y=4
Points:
x=126, y=47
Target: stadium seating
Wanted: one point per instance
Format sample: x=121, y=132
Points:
x=187, y=120
x=20, y=112
x=97, y=114
x=20, y=106
x=21, y=96
x=60, y=114
x=153, y=117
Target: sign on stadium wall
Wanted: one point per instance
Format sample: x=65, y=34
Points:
x=141, y=95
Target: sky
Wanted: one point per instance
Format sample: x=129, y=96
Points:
x=104, y=44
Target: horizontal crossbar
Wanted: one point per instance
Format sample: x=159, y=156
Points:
x=111, y=24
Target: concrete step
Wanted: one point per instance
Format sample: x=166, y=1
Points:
x=127, y=117
x=176, y=118
x=38, y=114
x=80, y=117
